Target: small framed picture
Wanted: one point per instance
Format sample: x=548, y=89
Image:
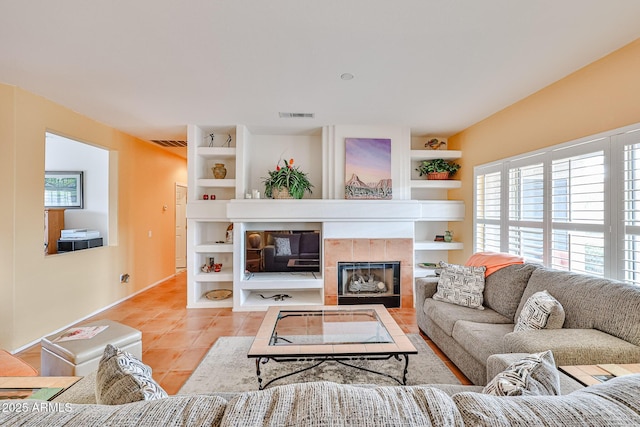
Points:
x=439, y=238
x=63, y=189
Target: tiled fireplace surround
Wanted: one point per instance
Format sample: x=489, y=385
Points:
x=368, y=250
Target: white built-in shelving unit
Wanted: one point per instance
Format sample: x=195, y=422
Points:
x=247, y=157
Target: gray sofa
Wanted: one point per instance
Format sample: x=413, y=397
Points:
x=602, y=319
x=614, y=403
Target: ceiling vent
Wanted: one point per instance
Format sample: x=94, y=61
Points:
x=296, y=115
x=169, y=143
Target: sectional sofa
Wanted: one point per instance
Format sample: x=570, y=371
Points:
x=614, y=403
x=602, y=319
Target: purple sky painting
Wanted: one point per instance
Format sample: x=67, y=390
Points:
x=369, y=158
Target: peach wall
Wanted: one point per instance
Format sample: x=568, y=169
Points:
x=602, y=96
x=53, y=291
x=362, y=250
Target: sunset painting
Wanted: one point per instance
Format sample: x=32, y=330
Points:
x=368, y=168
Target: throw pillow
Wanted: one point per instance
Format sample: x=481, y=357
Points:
x=283, y=246
x=122, y=378
x=540, y=311
x=461, y=285
x=535, y=374
x=494, y=261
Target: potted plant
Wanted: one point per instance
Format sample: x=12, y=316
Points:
x=286, y=182
x=438, y=169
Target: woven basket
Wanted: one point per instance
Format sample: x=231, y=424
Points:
x=281, y=193
x=438, y=175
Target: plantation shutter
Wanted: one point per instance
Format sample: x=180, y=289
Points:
x=631, y=210
x=578, y=212
x=487, y=233
x=526, y=211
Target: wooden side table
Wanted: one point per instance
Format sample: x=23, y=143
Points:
x=596, y=374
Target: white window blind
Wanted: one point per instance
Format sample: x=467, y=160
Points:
x=578, y=213
x=526, y=211
x=487, y=205
x=631, y=213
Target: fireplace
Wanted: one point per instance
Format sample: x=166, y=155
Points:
x=369, y=283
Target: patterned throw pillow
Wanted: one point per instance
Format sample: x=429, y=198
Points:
x=541, y=311
x=283, y=246
x=534, y=375
x=122, y=378
x=461, y=285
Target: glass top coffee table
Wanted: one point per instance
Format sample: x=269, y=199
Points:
x=340, y=333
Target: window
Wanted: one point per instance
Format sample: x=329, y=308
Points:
x=631, y=209
x=572, y=207
x=488, y=212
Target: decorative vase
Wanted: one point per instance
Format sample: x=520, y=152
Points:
x=219, y=171
x=438, y=175
x=281, y=193
x=448, y=236
x=254, y=239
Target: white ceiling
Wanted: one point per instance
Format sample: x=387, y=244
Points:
x=149, y=67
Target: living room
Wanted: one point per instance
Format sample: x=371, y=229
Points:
x=43, y=294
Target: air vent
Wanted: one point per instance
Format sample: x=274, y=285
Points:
x=169, y=143
x=297, y=115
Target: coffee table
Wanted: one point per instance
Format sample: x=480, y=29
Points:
x=43, y=388
x=339, y=333
x=595, y=374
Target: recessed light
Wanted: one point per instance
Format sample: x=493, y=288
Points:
x=346, y=76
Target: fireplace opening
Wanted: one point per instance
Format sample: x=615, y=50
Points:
x=369, y=283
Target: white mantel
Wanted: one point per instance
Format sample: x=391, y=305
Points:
x=319, y=210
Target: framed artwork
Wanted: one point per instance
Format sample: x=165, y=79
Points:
x=368, y=169
x=63, y=189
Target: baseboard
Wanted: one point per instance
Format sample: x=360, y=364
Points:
x=36, y=341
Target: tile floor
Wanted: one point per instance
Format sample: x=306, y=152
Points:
x=174, y=338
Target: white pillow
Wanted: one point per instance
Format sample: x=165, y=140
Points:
x=533, y=375
x=540, y=311
x=461, y=285
x=283, y=246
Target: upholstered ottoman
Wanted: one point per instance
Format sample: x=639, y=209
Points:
x=80, y=357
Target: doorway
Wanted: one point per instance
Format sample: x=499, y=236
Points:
x=181, y=227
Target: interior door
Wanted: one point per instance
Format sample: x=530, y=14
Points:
x=181, y=226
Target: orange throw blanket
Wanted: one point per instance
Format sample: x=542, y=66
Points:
x=494, y=261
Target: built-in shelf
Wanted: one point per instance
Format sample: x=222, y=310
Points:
x=435, y=154
x=253, y=300
x=270, y=281
x=214, y=247
x=216, y=152
x=436, y=183
x=212, y=182
x=437, y=246
x=224, y=275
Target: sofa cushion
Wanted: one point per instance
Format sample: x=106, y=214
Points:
x=591, y=302
x=310, y=243
x=122, y=378
x=481, y=340
x=503, y=289
x=614, y=403
x=172, y=411
x=493, y=261
x=533, y=375
x=13, y=366
x=573, y=346
x=446, y=315
x=461, y=285
x=326, y=403
x=540, y=311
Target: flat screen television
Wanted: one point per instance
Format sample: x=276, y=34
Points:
x=282, y=251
